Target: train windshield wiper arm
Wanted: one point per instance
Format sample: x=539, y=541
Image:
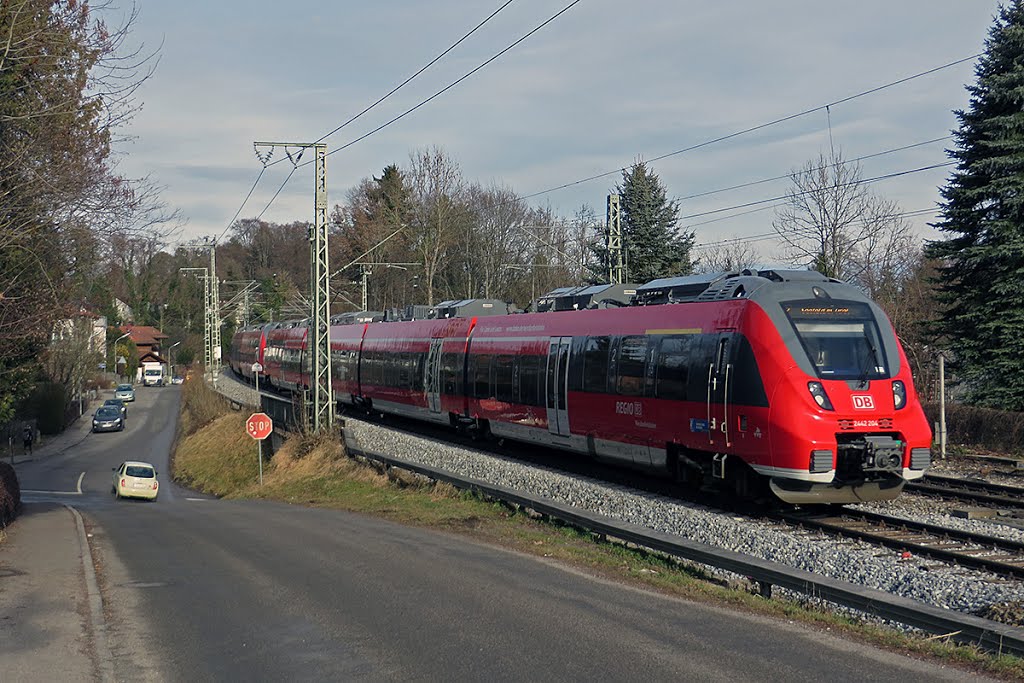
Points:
x=869, y=360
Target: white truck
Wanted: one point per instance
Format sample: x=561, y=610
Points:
x=153, y=374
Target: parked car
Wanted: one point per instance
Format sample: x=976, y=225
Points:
x=107, y=419
x=125, y=392
x=133, y=479
x=119, y=404
x=177, y=379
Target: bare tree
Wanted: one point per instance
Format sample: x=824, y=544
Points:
x=438, y=215
x=727, y=255
x=830, y=221
x=67, y=84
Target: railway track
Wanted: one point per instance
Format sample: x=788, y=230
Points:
x=993, y=495
x=962, y=548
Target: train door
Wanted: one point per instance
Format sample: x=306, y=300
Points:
x=719, y=390
x=432, y=376
x=557, y=385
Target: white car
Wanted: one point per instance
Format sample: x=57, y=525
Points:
x=135, y=479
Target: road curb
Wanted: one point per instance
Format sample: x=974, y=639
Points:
x=104, y=659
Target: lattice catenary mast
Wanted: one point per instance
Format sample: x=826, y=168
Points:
x=320, y=283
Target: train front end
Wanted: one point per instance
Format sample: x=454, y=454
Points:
x=846, y=423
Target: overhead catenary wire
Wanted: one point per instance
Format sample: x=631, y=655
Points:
x=242, y=206
x=859, y=181
x=412, y=77
x=453, y=83
x=760, y=126
x=690, y=148
x=837, y=164
x=364, y=111
x=769, y=235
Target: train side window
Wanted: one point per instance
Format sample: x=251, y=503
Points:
x=503, y=378
x=480, y=375
x=530, y=368
x=673, y=368
x=403, y=370
x=630, y=377
x=595, y=364
x=417, y=371
x=451, y=373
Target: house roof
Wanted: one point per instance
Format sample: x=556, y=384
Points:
x=144, y=334
x=150, y=356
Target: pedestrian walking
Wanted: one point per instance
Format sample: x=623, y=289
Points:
x=29, y=436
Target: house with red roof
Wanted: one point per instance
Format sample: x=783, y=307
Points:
x=147, y=338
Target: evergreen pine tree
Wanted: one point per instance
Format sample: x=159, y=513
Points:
x=655, y=247
x=981, y=272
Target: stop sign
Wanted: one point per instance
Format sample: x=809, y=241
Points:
x=259, y=426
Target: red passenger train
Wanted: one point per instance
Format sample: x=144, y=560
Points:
x=780, y=380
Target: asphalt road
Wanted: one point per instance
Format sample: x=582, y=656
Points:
x=201, y=589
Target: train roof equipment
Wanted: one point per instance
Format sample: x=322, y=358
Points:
x=584, y=297
x=719, y=286
x=357, y=317
x=468, y=308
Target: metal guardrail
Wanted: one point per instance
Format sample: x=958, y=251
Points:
x=962, y=628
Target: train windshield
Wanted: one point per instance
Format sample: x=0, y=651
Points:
x=841, y=339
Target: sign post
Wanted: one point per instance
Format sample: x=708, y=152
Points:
x=256, y=370
x=259, y=426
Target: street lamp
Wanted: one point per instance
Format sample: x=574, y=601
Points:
x=170, y=354
x=113, y=350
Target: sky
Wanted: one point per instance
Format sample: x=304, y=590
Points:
x=599, y=87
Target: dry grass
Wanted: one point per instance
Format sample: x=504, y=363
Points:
x=200, y=406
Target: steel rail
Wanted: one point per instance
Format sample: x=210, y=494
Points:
x=987, y=553
x=962, y=628
x=966, y=489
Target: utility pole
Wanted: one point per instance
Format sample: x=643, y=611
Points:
x=320, y=281
x=211, y=291
x=365, y=273
x=204, y=275
x=613, y=240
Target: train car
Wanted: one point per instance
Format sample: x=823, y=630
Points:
x=247, y=347
x=286, y=360
x=785, y=382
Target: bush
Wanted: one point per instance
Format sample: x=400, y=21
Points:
x=984, y=428
x=10, y=494
x=48, y=403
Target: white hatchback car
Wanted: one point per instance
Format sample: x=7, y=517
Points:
x=135, y=480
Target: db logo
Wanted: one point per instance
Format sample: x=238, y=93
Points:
x=863, y=402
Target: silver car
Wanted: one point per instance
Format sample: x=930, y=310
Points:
x=125, y=392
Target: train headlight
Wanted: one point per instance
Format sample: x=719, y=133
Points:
x=899, y=394
x=820, y=397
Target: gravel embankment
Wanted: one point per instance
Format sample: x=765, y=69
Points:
x=857, y=562
x=861, y=563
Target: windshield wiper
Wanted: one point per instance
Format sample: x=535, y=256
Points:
x=869, y=361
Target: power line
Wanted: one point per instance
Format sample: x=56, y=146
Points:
x=758, y=127
x=242, y=206
x=819, y=168
x=876, y=179
x=769, y=235
x=424, y=68
x=364, y=111
x=287, y=178
x=410, y=78
x=458, y=80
